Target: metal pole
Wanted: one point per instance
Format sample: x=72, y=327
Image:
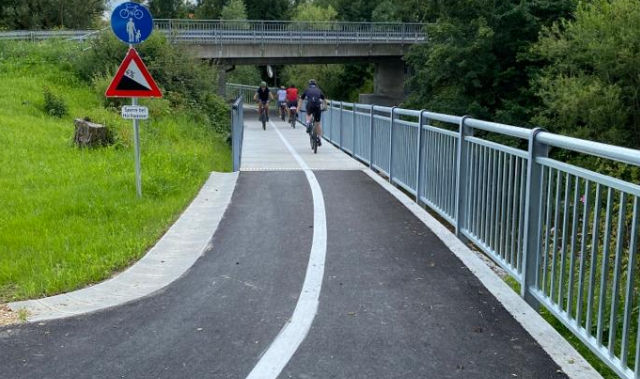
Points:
x=136, y=141
x=532, y=219
x=393, y=109
x=419, y=159
x=371, y=119
x=461, y=175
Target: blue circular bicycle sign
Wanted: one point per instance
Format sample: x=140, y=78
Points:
x=131, y=22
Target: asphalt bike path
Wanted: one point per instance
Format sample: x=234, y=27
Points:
x=213, y=322
x=392, y=300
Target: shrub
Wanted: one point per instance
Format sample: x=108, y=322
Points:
x=54, y=105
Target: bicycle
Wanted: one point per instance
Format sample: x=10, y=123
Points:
x=131, y=10
x=314, y=139
x=293, y=115
x=283, y=110
x=263, y=117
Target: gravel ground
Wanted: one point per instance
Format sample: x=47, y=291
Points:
x=7, y=316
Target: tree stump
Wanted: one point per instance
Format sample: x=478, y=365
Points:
x=89, y=134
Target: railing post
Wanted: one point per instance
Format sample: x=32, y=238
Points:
x=532, y=218
x=393, y=109
x=461, y=175
x=421, y=119
x=353, y=132
x=340, y=136
x=371, y=119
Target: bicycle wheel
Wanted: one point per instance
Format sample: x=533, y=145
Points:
x=124, y=13
x=315, y=144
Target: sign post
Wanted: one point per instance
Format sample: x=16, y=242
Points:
x=132, y=24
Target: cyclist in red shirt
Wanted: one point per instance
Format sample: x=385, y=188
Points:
x=292, y=98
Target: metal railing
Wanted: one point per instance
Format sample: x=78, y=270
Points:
x=567, y=234
x=246, y=92
x=41, y=35
x=283, y=32
x=257, y=32
x=237, y=132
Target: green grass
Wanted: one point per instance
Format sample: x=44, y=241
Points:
x=69, y=216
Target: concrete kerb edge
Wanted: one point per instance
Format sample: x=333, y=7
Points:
x=569, y=360
x=224, y=192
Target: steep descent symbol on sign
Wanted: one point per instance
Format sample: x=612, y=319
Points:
x=133, y=79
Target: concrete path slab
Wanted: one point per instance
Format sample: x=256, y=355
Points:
x=264, y=151
x=171, y=257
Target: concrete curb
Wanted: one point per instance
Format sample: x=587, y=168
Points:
x=569, y=360
x=169, y=259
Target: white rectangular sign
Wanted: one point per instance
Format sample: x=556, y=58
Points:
x=135, y=112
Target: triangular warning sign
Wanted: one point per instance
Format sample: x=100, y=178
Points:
x=133, y=79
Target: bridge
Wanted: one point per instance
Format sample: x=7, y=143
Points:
x=230, y=43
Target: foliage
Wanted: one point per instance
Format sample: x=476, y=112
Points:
x=310, y=12
x=39, y=14
x=186, y=81
x=168, y=8
x=476, y=62
x=234, y=10
x=54, y=104
x=591, y=85
x=268, y=10
x=244, y=75
x=386, y=11
x=209, y=9
x=55, y=196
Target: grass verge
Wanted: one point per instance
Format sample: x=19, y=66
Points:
x=69, y=216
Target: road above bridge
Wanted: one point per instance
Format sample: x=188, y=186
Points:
x=390, y=300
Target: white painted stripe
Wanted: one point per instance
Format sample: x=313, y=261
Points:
x=276, y=357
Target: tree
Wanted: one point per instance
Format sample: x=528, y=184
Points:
x=386, y=11
x=168, y=8
x=590, y=87
x=268, y=10
x=310, y=12
x=234, y=10
x=209, y=9
x=477, y=61
x=43, y=14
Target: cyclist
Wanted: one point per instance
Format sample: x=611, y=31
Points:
x=262, y=96
x=282, y=100
x=315, y=103
x=292, y=98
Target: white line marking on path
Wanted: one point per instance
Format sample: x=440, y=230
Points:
x=276, y=357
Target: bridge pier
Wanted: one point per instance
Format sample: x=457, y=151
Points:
x=388, y=83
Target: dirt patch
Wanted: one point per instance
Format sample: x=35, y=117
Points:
x=7, y=316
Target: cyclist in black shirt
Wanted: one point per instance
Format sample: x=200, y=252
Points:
x=315, y=103
x=262, y=96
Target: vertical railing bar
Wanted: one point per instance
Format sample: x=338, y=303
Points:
x=629, y=292
x=521, y=223
x=613, y=318
x=470, y=189
x=547, y=230
x=565, y=222
x=487, y=194
x=572, y=251
x=604, y=267
x=494, y=201
x=510, y=206
x=556, y=220
x=476, y=189
x=341, y=125
x=371, y=126
x=497, y=241
x=391, y=127
x=583, y=249
x=542, y=270
x=595, y=239
x=503, y=207
x=483, y=190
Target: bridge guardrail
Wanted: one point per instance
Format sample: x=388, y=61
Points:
x=257, y=32
x=567, y=234
x=279, y=32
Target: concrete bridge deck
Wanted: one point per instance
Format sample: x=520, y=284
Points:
x=319, y=269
